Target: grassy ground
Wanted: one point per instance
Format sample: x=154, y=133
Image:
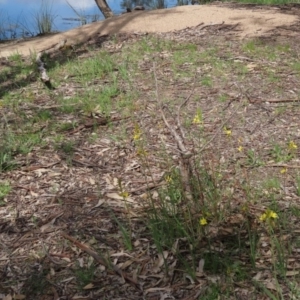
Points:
x=98, y=202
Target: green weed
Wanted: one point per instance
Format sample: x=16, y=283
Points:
x=5, y=189
x=126, y=233
x=252, y=159
x=206, y=81
x=67, y=147
x=36, y=284
x=85, y=275
x=44, y=18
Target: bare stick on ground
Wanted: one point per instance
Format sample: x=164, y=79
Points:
x=101, y=260
x=41, y=65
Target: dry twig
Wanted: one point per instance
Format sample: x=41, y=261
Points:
x=180, y=143
x=186, y=168
x=101, y=260
x=183, y=104
x=41, y=65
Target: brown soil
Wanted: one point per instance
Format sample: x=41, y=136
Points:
x=251, y=22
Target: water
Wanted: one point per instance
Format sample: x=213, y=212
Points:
x=17, y=16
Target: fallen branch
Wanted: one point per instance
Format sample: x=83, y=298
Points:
x=146, y=187
x=278, y=100
x=101, y=260
x=55, y=47
x=211, y=25
x=282, y=166
x=41, y=65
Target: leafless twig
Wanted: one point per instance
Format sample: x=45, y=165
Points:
x=186, y=168
x=100, y=259
x=182, y=105
x=180, y=143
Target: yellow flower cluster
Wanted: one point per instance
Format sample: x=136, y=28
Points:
x=197, y=119
x=292, y=145
x=168, y=179
x=227, y=131
x=283, y=171
x=268, y=215
x=142, y=152
x=137, y=133
x=203, y=222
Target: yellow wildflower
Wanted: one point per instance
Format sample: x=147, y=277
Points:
x=124, y=194
x=245, y=208
x=227, y=131
x=203, y=222
x=137, y=133
x=283, y=171
x=136, y=137
x=142, y=152
x=268, y=215
x=292, y=145
x=240, y=148
x=168, y=179
x=197, y=120
x=273, y=215
x=263, y=217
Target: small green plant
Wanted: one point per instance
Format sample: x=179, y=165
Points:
x=277, y=153
x=43, y=115
x=68, y=147
x=126, y=233
x=223, y=98
x=252, y=159
x=253, y=243
x=206, y=81
x=67, y=126
x=16, y=57
x=296, y=66
x=44, y=18
x=85, y=275
x=36, y=284
x=174, y=217
x=279, y=252
x=125, y=229
x=212, y=292
x=5, y=189
x=13, y=144
x=6, y=160
x=271, y=184
x=294, y=288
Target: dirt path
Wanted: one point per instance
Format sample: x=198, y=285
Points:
x=252, y=22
